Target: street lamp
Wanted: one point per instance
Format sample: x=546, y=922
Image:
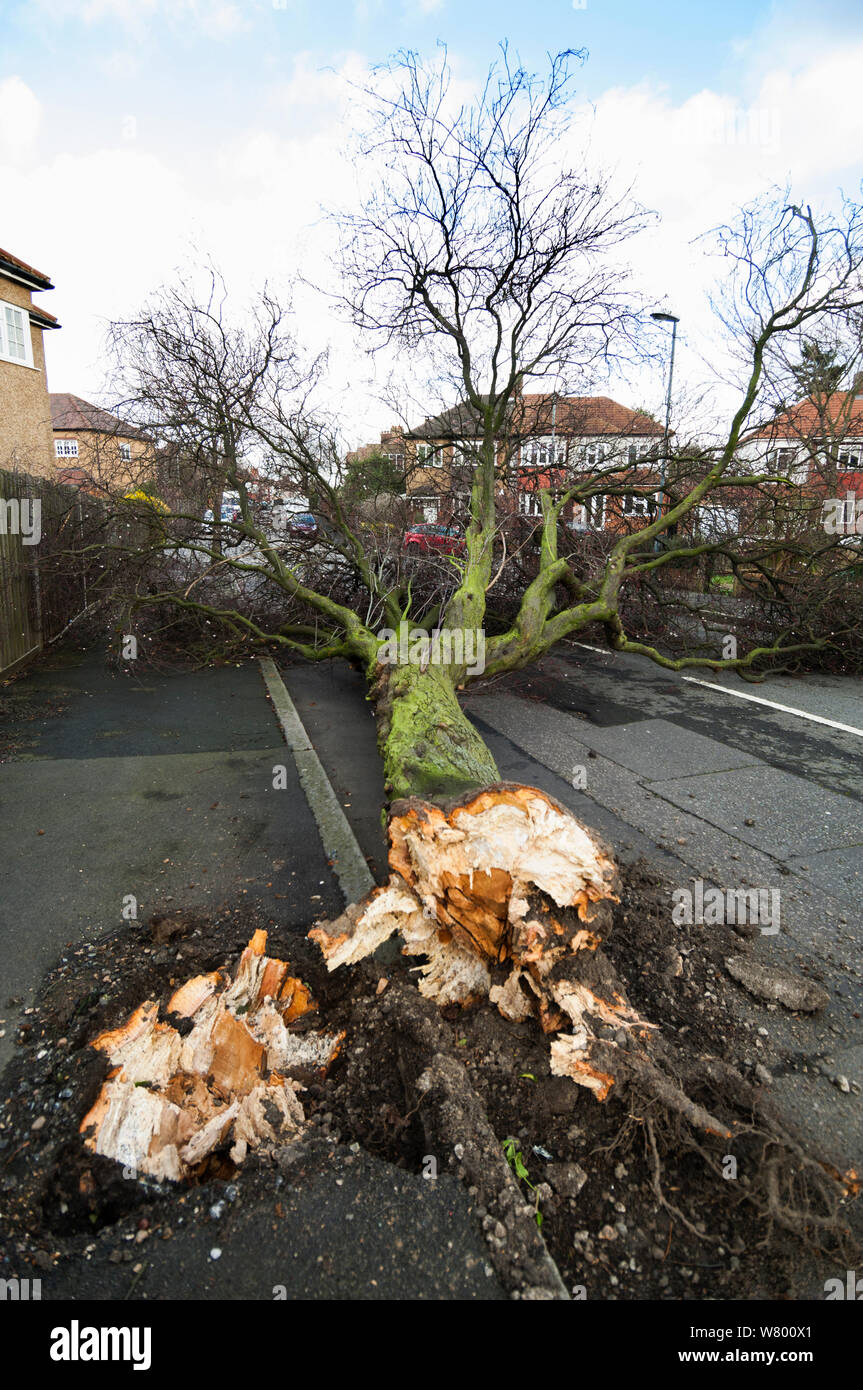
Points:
x=659, y=317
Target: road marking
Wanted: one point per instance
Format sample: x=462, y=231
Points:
x=338, y=839
x=744, y=695
x=603, y=651
x=774, y=704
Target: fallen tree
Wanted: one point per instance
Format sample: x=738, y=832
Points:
x=472, y=249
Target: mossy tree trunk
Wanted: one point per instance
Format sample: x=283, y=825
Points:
x=428, y=745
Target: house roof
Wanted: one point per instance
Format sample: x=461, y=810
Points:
x=70, y=413
x=41, y=318
x=23, y=271
x=533, y=414
x=841, y=412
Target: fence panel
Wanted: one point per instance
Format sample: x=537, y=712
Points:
x=43, y=586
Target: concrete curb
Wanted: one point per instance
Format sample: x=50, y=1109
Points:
x=340, y=843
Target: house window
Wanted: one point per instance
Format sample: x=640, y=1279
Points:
x=592, y=456
x=529, y=504
x=126, y=453
x=428, y=456
x=466, y=450
x=780, y=459
x=66, y=448
x=637, y=452
x=15, y=343
x=589, y=515
x=634, y=505
x=850, y=458
x=541, y=453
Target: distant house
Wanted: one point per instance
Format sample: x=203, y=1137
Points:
x=391, y=446
x=25, y=414
x=817, y=443
x=552, y=441
x=96, y=450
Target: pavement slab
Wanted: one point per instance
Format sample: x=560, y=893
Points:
x=780, y=814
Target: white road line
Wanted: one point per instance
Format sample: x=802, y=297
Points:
x=774, y=704
x=338, y=839
x=744, y=695
x=603, y=651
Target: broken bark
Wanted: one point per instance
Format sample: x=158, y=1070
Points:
x=507, y=896
x=221, y=1069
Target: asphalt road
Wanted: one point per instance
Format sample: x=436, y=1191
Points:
x=153, y=785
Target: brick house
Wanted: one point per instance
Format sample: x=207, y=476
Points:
x=818, y=444
x=25, y=413
x=391, y=446
x=552, y=442
x=95, y=450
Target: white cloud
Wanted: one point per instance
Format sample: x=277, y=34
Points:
x=253, y=200
x=20, y=114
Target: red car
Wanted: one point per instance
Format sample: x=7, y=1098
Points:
x=428, y=538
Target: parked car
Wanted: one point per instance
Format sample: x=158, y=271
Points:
x=228, y=512
x=302, y=524
x=430, y=538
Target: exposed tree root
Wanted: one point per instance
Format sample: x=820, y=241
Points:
x=506, y=896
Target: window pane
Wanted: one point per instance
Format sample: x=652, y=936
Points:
x=15, y=341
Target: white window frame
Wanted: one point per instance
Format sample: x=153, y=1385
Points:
x=638, y=455
x=465, y=450
x=590, y=514
x=125, y=453
x=428, y=456
x=66, y=448
x=639, y=508
x=15, y=309
x=529, y=503
x=591, y=456
x=544, y=451
x=849, y=457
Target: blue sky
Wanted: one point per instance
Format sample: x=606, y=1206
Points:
x=132, y=128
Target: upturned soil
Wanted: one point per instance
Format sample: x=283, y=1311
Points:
x=619, y=1221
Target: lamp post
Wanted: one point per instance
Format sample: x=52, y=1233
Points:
x=659, y=317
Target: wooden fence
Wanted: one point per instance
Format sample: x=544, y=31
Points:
x=43, y=575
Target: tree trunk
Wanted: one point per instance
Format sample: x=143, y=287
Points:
x=428, y=745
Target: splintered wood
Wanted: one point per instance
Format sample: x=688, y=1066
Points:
x=505, y=895
x=228, y=1075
